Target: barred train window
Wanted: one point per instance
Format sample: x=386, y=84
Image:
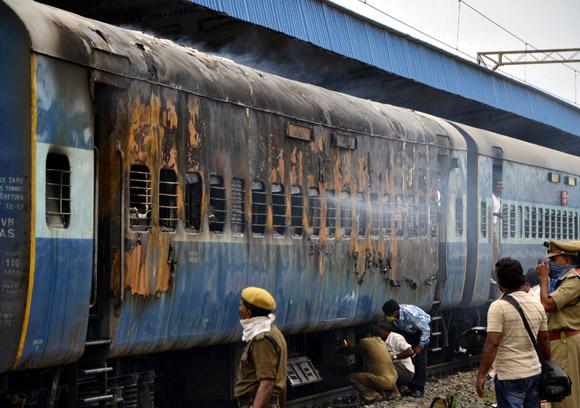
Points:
x=553, y=224
x=546, y=223
x=483, y=218
x=512, y=221
x=375, y=216
x=423, y=216
x=139, y=197
x=571, y=225
x=387, y=215
x=411, y=212
x=434, y=216
x=57, y=191
x=540, y=223
x=564, y=225
x=558, y=224
x=576, y=226
x=279, y=209
x=193, y=195
x=314, y=211
x=217, y=204
x=534, y=221
x=519, y=221
x=238, y=217
x=167, y=199
x=331, y=212
x=505, y=221
x=459, y=216
x=345, y=214
x=361, y=214
x=297, y=210
x=258, y=207
x=399, y=215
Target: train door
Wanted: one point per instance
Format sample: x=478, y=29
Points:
x=441, y=220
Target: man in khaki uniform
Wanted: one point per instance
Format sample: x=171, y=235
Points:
x=381, y=375
x=563, y=306
x=261, y=379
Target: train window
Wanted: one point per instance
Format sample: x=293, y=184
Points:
x=483, y=219
x=361, y=214
x=534, y=222
x=400, y=216
x=527, y=222
x=331, y=212
x=512, y=221
x=434, y=216
x=375, y=216
x=139, y=197
x=505, y=221
x=576, y=226
x=217, y=204
x=259, y=210
x=564, y=233
x=238, y=217
x=459, y=216
x=167, y=199
x=278, y=209
x=546, y=223
x=558, y=224
x=423, y=217
x=540, y=223
x=387, y=215
x=57, y=194
x=411, y=217
x=519, y=222
x=553, y=224
x=193, y=196
x=571, y=225
x=297, y=210
x=314, y=211
x=345, y=214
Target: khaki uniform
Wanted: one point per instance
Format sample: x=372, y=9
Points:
x=566, y=350
x=264, y=357
x=381, y=375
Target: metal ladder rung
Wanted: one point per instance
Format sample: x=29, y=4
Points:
x=435, y=349
x=98, y=398
x=98, y=342
x=435, y=318
x=434, y=334
x=98, y=370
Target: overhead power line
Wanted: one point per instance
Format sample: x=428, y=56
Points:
x=520, y=57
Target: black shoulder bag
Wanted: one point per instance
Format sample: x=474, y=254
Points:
x=555, y=384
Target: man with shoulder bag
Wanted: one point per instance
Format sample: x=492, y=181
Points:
x=507, y=345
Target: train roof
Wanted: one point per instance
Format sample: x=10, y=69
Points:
x=136, y=55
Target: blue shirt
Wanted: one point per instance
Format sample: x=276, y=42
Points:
x=412, y=319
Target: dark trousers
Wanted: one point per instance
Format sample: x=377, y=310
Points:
x=419, y=361
x=522, y=393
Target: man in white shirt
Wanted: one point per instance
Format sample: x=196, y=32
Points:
x=497, y=214
x=401, y=353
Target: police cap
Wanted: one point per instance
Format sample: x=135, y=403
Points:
x=259, y=297
x=556, y=248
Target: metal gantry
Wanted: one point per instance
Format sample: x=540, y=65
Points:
x=528, y=57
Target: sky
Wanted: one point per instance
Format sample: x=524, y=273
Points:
x=543, y=24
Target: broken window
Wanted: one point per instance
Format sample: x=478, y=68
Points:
x=217, y=204
x=57, y=195
x=297, y=210
x=238, y=220
x=345, y=214
x=279, y=209
x=167, y=199
x=331, y=213
x=258, y=207
x=361, y=214
x=140, y=197
x=193, y=196
x=314, y=211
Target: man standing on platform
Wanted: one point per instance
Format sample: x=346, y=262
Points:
x=413, y=323
x=561, y=299
x=261, y=379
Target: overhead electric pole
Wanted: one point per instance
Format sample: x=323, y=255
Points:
x=527, y=57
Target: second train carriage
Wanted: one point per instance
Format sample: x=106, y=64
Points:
x=145, y=183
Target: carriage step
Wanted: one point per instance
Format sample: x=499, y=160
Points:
x=301, y=371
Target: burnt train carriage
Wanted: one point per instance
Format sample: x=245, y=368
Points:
x=146, y=183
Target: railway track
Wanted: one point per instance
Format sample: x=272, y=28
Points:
x=344, y=397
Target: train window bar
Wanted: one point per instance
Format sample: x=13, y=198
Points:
x=361, y=215
x=398, y=216
x=345, y=214
x=217, y=204
x=168, y=199
x=375, y=216
x=259, y=209
x=547, y=223
x=193, y=197
x=296, y=210
x=278, y=209
x=483, y=219
x=331, y=213
x=553, y=224
x=314, y=211
x=387, y=216
x=411, y=210
x=512, y=221
x=238, y=217
x=422, y=217
x=58, y=201
x=505, y=221
x=527, y=222
x=541, y=223
x=520, y=222
x=140, y=194
x=558, y=224
x=459, y=216
x=534, y=222
x=570, y=225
